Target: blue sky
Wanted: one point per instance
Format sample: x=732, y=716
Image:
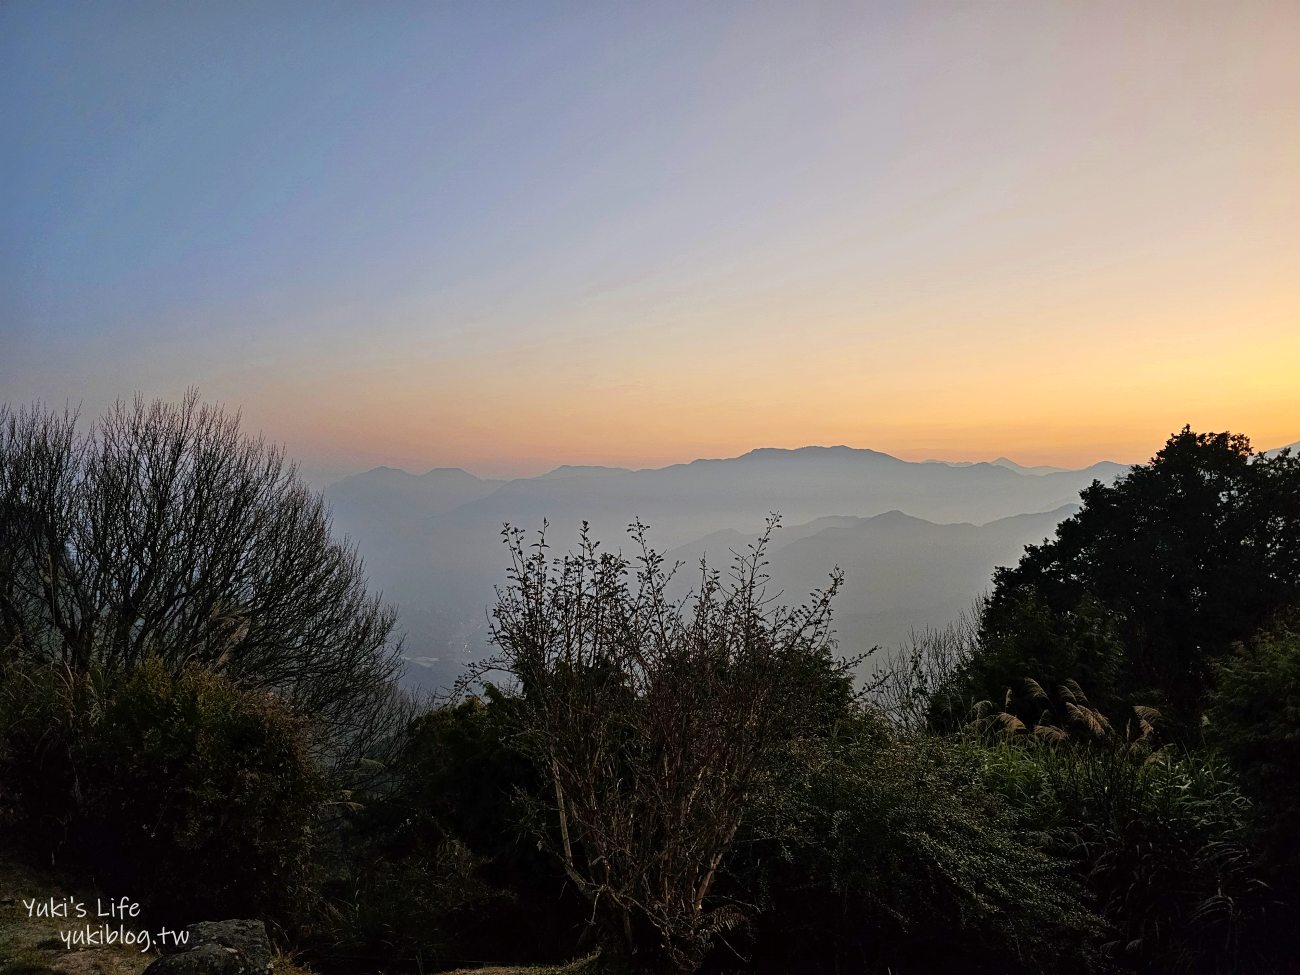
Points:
x=516, y=235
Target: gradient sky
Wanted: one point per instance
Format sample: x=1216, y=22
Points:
x=506, y=236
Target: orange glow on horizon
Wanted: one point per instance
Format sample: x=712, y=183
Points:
x=1054, y=232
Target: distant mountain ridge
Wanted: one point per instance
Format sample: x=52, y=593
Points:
x=440, y=487
x=1006, y=462
x=570, y=470
x=900, y=572
x=917, y=540
x=584, y=470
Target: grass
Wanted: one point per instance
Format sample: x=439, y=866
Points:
x=284, y=964
x=32, y=946
x=590, y=965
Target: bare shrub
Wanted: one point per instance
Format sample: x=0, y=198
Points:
x=656, y=723
x=917, y=678
x=167, y=533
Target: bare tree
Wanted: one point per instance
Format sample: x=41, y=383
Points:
x=916, y=680
x=656, y=723
x=166, y=532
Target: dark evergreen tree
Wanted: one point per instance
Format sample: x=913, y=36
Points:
x=1152, y=581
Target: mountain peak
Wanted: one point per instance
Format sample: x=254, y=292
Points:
x=813, y=450
x=456, y=472
x=584, y=470
x=895, y=517
x=1011, y=465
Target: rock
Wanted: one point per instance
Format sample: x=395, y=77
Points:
x=209, y=959
x=218, y=948
x=248, y=937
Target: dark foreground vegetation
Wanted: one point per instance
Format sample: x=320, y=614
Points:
x=1097, y=771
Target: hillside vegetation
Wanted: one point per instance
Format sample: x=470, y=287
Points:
x=661, y=769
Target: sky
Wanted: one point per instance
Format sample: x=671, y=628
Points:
x=508, y=236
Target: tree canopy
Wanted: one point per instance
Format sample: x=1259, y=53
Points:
x=1156, y=577
x=164, y=532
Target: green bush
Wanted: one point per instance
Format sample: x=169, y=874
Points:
x=401, y=911
x=1254, y=720
x=435, y=865
x=1153, y=581
x=1159, y=840
x=881, y=854
x=185, y=792
x=1022, y=635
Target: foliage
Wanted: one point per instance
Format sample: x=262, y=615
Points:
x=194, y=795
x=1080, y=645
x=1155, y=578
x=1157, y=835
x=437, y=863
x=190, y=662
x=165, y=533
x=403, y=911
x=655, y=723
x=887, y=854
x=1254, y=720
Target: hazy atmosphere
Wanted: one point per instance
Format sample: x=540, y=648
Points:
x=592, y=487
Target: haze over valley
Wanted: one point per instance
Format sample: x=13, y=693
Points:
x=917, y=541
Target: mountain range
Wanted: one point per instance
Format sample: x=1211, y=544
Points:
x=917, y=541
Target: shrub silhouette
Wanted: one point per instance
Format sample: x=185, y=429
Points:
x=164, y=532
x=887, y=853
x=654, y=724
x=1151, y=582
x=195, y=796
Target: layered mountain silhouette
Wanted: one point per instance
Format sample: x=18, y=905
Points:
x=1006, y=462
x=917, y=541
